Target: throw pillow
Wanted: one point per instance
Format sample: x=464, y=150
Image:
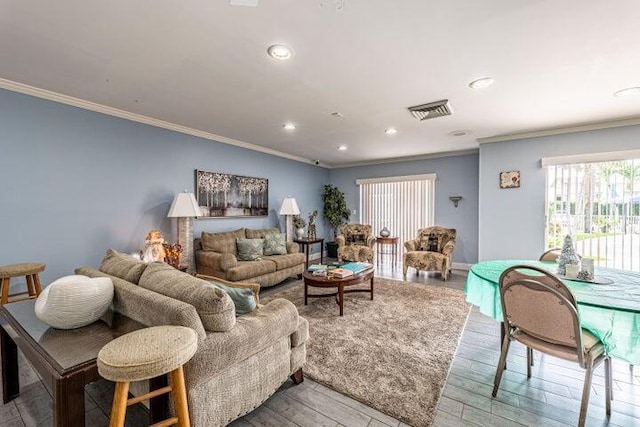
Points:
x=249, y=249
x=122, y=266
x=243, y=298
x=275, y=244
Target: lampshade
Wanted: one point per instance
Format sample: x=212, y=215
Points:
x=184, y=205
x=289, y=207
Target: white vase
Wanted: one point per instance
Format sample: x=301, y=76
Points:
x=385, y=232
x=300, y=233
x=74, y=301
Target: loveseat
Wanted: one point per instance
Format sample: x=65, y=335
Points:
x=240, y=361
x=217, y=255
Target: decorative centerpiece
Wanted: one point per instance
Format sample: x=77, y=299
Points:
x=311, y=231
x=567, y=256
x=172, y=254
x=587, y=270
x=385, y=232
x=299, y=223
x=74, y=301
x=153, y=248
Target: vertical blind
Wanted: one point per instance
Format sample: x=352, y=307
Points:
x=403, y=204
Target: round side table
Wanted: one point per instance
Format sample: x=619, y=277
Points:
x=387, y=246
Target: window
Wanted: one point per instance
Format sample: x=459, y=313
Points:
x=598, y=204
x=403, y=204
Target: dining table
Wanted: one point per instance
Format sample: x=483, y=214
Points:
x=609, y=307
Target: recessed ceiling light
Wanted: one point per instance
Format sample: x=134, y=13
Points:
x=458, y=133
x=628, y=91
x=480, y=83
x=342, y=147
x=279, y=51
x=289, y=126
x=391, y=131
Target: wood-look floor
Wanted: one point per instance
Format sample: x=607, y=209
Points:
x=550, y=398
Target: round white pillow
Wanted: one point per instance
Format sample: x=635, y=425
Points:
x=74, y=301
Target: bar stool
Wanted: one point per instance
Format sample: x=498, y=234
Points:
x=29, y=271
x=145, y=354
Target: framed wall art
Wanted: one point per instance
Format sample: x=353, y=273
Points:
x=222, y=195
x=510, y=179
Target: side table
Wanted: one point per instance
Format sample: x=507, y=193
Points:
x=305, y=244
x=392, y=250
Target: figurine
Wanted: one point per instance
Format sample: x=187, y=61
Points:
x=311, y=231
x=153, y=249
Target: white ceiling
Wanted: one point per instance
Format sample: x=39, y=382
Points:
x=202, y=64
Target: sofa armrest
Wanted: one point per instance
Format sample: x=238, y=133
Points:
x=371, y=240
x=340, y=240
x=448, y=248
x=252, y=333
x=216, y=260
x=148, y=307
x=411, y=245
x=293, y=248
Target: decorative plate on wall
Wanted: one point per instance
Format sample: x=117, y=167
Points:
x=510, y=179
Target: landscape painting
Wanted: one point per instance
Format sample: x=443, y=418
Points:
x=222, y=195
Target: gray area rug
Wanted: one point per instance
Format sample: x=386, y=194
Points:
x=392, y=353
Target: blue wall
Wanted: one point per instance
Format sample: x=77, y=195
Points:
x=457, y=175
x=512, y=221
x=76, y=182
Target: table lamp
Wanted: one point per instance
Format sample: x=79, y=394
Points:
x=289, y=208
x=185, y=208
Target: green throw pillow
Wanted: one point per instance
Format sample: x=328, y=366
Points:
x=275, y=244
x=243, y=299
x=249, y=249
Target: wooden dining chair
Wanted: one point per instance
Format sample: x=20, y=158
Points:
x=541, y=312
x=553, y=254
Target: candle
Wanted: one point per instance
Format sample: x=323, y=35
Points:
x=587, y=265
x=572, y=270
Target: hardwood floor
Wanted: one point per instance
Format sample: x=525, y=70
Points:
x=550, y=398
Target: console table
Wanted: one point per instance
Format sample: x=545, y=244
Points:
x=305, y=244
x=65, y=359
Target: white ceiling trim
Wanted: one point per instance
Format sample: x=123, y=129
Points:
x=563, y=130
x=410, y=158
x=104, y=109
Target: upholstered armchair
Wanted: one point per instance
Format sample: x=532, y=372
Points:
x=355, y=243
x=430, y=251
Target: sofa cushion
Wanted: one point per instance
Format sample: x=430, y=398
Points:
x=123, y=266
x=214, y=306
x=286, y=261
x=275, y=244
x=221, y=242
x=249, y=249
x=250, y=269
x=260, y=233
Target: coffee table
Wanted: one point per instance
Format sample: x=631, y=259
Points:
x=328, y=282
x=65, y=359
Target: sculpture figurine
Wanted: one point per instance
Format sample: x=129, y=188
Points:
x=311, y=231
x=153, y=249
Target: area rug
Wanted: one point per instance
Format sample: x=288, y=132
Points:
x=392, y=353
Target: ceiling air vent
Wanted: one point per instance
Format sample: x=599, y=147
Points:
x=431, y=110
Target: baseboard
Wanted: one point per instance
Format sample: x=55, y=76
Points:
x=460, y=266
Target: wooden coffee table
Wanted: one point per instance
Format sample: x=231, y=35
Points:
x=65, y=360
x=328, y=282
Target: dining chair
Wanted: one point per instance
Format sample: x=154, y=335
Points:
x=553, y=254
x=540, y=312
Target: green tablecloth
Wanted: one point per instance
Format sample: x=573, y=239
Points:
x=611, y=312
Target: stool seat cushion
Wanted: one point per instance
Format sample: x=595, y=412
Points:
x=147, y=353
x=22, y=269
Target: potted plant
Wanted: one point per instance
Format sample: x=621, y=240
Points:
x=299, y=223
x=336, y=213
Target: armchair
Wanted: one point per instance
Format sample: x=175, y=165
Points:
x=355, y=243
x=431, y=250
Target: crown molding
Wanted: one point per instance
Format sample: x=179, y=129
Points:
x=562, y=130
x=115, y=112
x=409, y=158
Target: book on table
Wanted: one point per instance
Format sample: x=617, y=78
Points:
x=317, y=267
x=356, y=267
x=341, y=273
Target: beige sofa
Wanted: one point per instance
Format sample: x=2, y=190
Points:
x=216, y=255
x=240, y=361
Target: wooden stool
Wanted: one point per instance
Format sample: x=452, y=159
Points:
x=145, y=354
x=29, y=271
